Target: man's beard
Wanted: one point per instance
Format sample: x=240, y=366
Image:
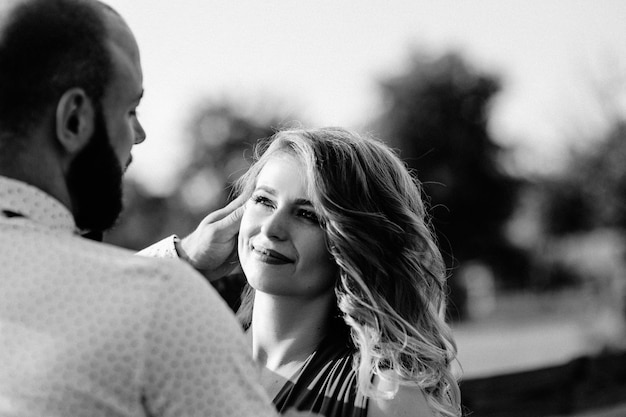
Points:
x=94, y=181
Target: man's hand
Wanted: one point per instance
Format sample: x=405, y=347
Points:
x=212, y=247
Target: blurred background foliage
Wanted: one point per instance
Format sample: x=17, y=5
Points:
x=500, y=229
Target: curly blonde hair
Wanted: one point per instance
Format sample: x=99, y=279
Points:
x=392, y=290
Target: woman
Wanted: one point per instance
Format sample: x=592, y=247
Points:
x=346, y=297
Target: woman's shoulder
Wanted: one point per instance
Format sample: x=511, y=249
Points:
x=409, y=401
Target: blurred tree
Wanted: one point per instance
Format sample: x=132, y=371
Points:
x=583, y=217
x=436, y=115
x=591, y=193
x=222, y=136
x=145, y=218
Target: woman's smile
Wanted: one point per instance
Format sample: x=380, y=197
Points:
x=270, y=256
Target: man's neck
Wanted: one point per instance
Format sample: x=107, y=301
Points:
x=38, y=168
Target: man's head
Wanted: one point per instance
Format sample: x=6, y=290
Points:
x=70, y=73
x=48, y=47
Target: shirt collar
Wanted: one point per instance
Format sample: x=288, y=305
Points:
x=25, y=200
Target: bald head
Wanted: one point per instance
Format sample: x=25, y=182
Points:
x=120, y=39
x=46, y=48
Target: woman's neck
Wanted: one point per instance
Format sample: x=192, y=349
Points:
x=286, y=330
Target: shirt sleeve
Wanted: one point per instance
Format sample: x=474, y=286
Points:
x=165, y=248
x=197, y=361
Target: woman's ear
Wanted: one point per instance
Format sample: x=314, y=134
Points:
x=75, y=117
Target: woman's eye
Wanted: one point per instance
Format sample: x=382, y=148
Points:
x=309, y=215
x=259, y=199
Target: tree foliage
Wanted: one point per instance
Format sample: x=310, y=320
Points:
x=436, y=115
x=591, y=193
x=222, y=136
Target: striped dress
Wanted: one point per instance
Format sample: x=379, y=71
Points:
x=327, y=384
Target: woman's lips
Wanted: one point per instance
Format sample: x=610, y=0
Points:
x=271, y=256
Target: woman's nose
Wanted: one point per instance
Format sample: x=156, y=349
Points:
x=275, y=225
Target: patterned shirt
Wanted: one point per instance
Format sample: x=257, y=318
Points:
x=91, y=330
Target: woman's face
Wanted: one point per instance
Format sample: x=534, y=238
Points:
x=281, y=245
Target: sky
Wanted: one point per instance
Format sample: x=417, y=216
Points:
x=323, y=59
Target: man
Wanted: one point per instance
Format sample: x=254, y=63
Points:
x=87, y=329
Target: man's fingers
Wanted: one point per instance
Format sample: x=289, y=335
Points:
x=230, y=223
x=235, y=216
x=223, y=212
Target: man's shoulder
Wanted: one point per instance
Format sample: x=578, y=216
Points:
x=115, y=261
x=162, y=278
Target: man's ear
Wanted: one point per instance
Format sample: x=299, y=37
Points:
x=75, y=117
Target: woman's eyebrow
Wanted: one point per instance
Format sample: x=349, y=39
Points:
x=303, y=202
x=265, y=188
